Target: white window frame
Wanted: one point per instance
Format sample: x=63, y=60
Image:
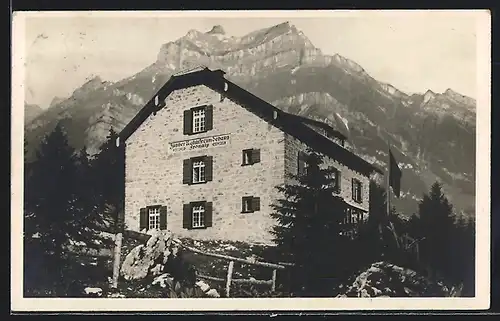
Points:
x=198, y=216
x=247, y=156
x=247, y=205
x=154, y=218
x=199, y=173
x=199, y=118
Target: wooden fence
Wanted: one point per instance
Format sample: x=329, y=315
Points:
x=229, y=280
x=411, y=246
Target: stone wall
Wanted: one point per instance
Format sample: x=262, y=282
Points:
x=292, y=148
x=154, y=172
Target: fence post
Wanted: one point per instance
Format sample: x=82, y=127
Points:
x=229, y=277
x=116, y=260
x=118, y=249
x=418, y=252
x=273, y=286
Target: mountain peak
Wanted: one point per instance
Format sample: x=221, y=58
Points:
x=450, y=93
x=56, y=100
x=392, y=90
x=93, y=83
x=217, y=30
x=31, y=111
x=429, y=94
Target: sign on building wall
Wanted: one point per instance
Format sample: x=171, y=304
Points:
x=200, y=143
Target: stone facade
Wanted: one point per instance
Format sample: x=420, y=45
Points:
x=154, y=168
x=154, y=173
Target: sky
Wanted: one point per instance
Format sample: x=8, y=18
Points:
x=413, y=51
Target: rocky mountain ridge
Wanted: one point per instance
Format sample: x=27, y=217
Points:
x=31, y=111
x=432, y=135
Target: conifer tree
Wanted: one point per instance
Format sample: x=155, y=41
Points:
x=89, y=218
x=469, y=255
x=462, y=243
x=377, y=211
x=29, y=224
x=53, y=200
x=308, y=227
x=436, y=226
x=109, y=173
x=33, y=254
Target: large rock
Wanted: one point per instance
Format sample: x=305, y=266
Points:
x=150, y=258
x=383, y=279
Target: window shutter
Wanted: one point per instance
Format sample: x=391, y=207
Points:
x=208, y=214
x=209, y=160
x=163, y=218
x=255, y=203
x=187, y=171
x=299, y=164
x=337, y=181
x=352, y=189
x=143, y=219
x=188, y=122
x=255, y=156
x=209, y=117
x=186, y=216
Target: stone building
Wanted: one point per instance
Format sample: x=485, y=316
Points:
x=203, y=158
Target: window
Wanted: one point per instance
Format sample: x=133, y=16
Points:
x=250, y=204
x=348, y=216
x=247, y=157
x=154, y=218
x=356, y=190
x=197, y=170
x=198, y=120
x=336, y=180
x=302, y=164
x=251, y=156
x=198, y=213
x=246, y=204
x=359, y=217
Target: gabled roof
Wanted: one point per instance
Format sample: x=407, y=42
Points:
x=291, y=124
x=190, y=70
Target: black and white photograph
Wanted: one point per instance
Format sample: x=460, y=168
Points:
x=308, y=158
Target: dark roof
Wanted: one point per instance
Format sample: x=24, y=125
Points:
x=327, y=128
x=291, y=124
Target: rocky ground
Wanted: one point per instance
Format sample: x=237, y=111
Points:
x=383, y=279
x=159, y=268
